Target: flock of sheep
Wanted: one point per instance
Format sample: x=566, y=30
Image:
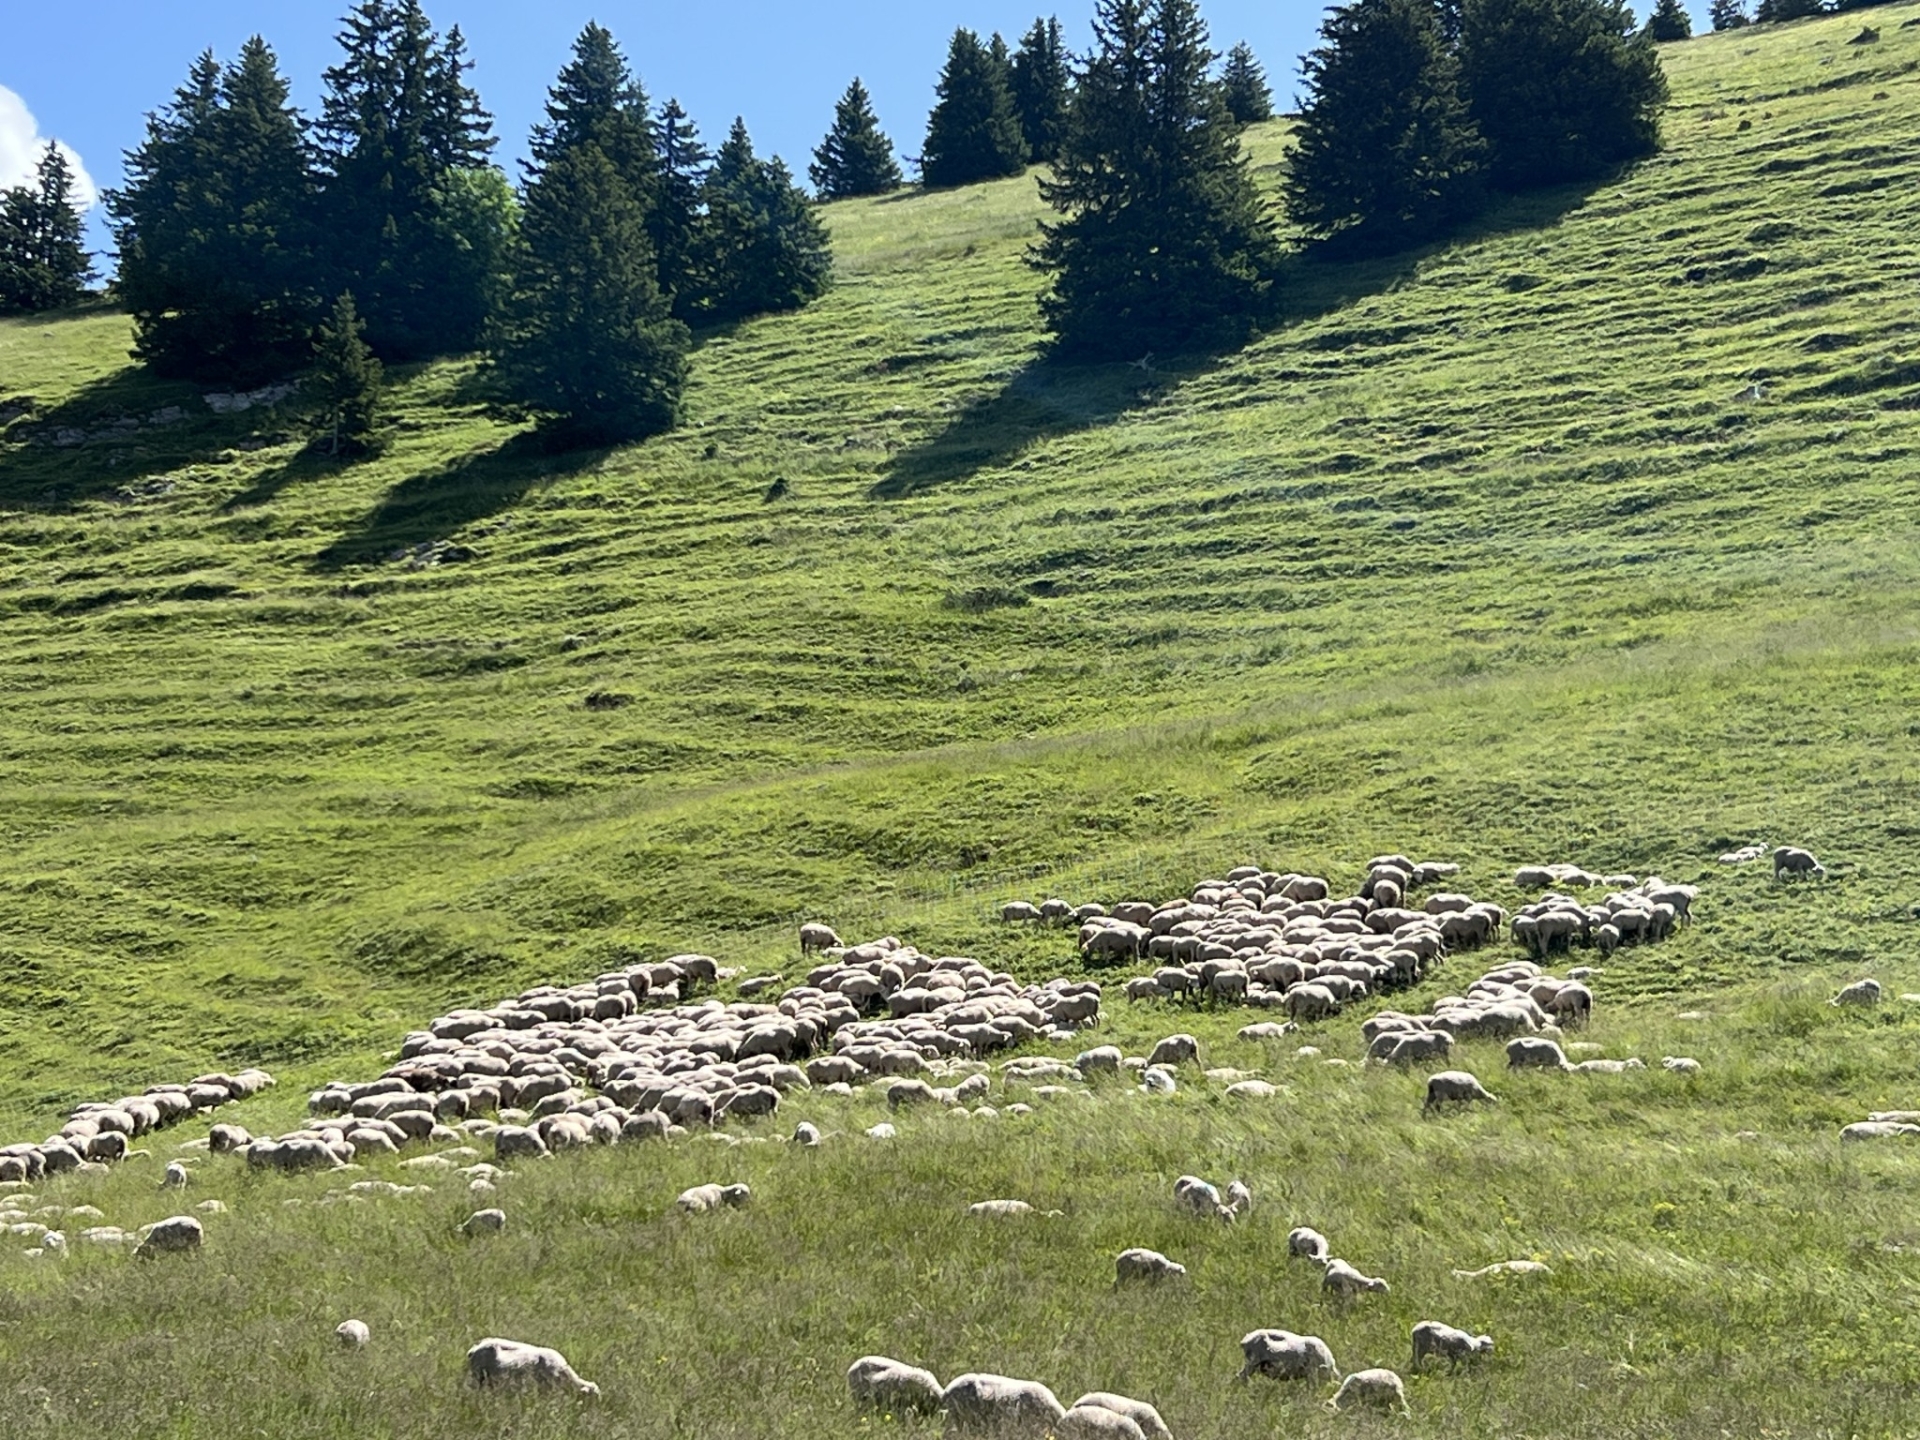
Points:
x=96, y=1135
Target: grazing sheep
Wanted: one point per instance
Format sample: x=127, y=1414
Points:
x=1878, y=1130
x=511, y=1363
x=1157, y=1082
x=176, y=1177
x=352, y=1333
x=1430, y=1337
x=1201, y=1198
x=1101, y=1060
x=1608, y=1067
x=1379, y=1388
x=484, y=1222
x=1000, y=1207
x=175, y=1235
x=1096, y=1422
x=814, y=936
x=1003, y=1408
x=1308, y=1244
x=1344, y=1280
x=1861, y=992
x=1239, y=1197
x=1791, y=860
x=516, y=1142
x=1018, y=910
x=1145, y=987
x=1283, y=1355
x=806, y=1133
x=1175, y=1050
x=702, y=1198
x=1532, y=1052
x=1451, y=1086
x=1680, y=1064
x=222, y=1138
x=1267, y=1030
x=1151, y=1265
x=1503, y=1267
x=1138, y=1411
x=892, y=1385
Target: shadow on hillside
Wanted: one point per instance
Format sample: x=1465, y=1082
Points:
x=1046, y=399
x=431, y=506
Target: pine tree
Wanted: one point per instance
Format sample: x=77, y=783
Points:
x=1728, y=14
x=1668, y=22
x=597, y=98
x=973, y=133
x=1449, y=13
x=1164, y=245
x=214, y=227
x=397, y=121
x=43, y=255
x=1386, y=156
x=1560, y=89
x=855, y=158
x=588, y=341
x=764, y=247
x=345, y=384
x=1772, y=12
x=1039, y=86
x=675, y=219
x=1243, y=84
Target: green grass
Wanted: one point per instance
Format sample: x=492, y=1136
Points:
x=1590, y=536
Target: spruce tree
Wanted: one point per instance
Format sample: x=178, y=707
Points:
x=1728, y=14
x=764, y=247
x=1668, y=22
x=398, y=119
x=1772, y=12
x=597, y=98
x=675, y=218
x=1449, y=13
x=1385, y=155
x=43, y=255
x=214, y=227
x=1039, y=86
x=1560, y=89
x=588, y=341
x=855, y=158
x=344, y=387
x=1243, y=84
x=973, y=132
x=1163, y=245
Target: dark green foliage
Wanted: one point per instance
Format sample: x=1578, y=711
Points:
x=764, y=247
x=588, y=341
x=1038, y=81
x=1728, y=14
x=345, y=385
x=1773, y=11
x=1449, y=14
x=1164, y=245
x=397, y=122
x=1386, y=155
x=43, y=258
x=855, y=158
x=1668, y=22
x=973, y=133
x=213, y=227
x=598, y=99
x=1560, y=89
x=1243, y=85
x=673, y=221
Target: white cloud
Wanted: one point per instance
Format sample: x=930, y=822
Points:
x=22, y=145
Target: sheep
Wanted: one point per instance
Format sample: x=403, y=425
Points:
x=1608, y=1067
x=997, y=1406
x=222, y=1138
x=1000, y=1207
x=1379, y=1388
x=176, y=1177
x=1096, y=1422
x=1878, y=1130
x=1138, y=1411
x=887, y=1384
x=1861, y=992
x=702, y=1198
x=1148, y=1265
x=1266, y=1030
x=1283, y=1355
x=1018, y=910
x=484, y=1222
x=1790, y=860
x=1680, y=1064
x=1504, y=1267
x=1239, y=1197
x=1312, y=1001
x=806, y=1134
x=515, y=1142
x=1145, y=987
x=814, y=936
x=1408, y=1047
x=1532, y=1052
x=1344, y=1280
x=1175, y=1050
x=352, y=1333
x=1449, y=1086
x=1101, y=1060
x=1304, y=1243
x=1430, y=1337
x=176, y=1235
x=512, y=1363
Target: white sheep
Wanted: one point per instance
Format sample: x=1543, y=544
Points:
x=178, y=1234
x=1175, y=1050
x=1305, y=1243
x=1861, y=992
x=1149, y=1265
x=1001, y=1407
x=702, y=1198
x=484, y=1222
x=1878, y=1130
x=889, y=1384
x=1504, y=1267
x=814, y=936
x=1450, y=1086
x=512, y=1363
x=1138, y=1411
x=1532, y=1052
x=1680, y=1064
x=806, y=1134
x=1345, y=1280
x=176, y=1177
x=1431, y=1337
x=1378, y=1388
x=1000, y=1207
x=352, y=1333
x=1096, y=1422
x=1791, y=860
x=1283, y=1355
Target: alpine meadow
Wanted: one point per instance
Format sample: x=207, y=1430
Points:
x=1584, y=535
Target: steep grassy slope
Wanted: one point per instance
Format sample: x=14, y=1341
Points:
x=1590, y=535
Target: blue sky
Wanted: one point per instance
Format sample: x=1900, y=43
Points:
x=89, y=76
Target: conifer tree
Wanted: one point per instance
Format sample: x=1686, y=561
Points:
x=598, y=98
x=1561, y=90
x=398, y=119
x=675, y=219
x=1243, y=84
x=1728, y=14
x=1039, y=87
x=764, y=247
x=1449, y=13
x=213, y=227
x=588, y=341
x=43, y=255
x=1668, y=22
x=855, y=158
x=1163, y=245
x=1385, y=155
x=973, y=133
x=345, y=384
x=1771, y=12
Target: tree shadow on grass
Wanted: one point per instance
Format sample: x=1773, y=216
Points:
x=429, y=507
